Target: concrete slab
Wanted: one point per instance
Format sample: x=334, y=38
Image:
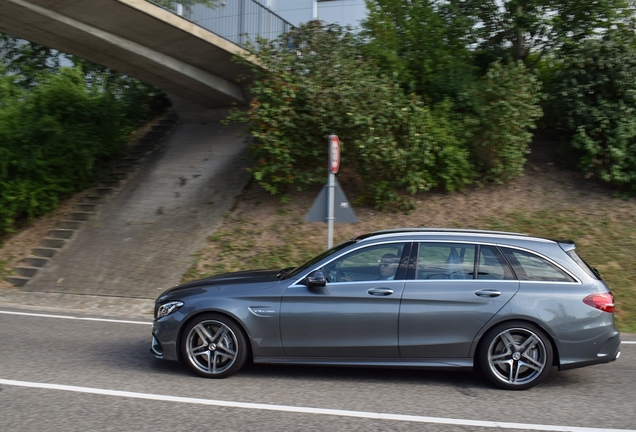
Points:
x=144, y=238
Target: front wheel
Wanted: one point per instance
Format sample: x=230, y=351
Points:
x=515, y=355
x=213, y=346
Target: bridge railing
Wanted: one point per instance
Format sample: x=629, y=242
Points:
x=238, y=21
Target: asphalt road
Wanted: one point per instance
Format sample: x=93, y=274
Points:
x=82, y=374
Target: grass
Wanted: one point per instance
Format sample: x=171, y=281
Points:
x=273, y=234
x=4, y=269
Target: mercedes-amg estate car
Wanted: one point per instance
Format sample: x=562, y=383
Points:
x=510, y=304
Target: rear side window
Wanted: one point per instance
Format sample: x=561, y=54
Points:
x=446, y=261
x=531, y=267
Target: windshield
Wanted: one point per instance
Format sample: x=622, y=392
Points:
x=318, y=258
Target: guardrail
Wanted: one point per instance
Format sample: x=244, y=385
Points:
x=238, y=21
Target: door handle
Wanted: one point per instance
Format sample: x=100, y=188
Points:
x=380, y=291
x=488, y=293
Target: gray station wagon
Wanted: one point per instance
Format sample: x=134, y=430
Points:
x=510, y=304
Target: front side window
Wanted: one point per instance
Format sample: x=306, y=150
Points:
x=377, y=262
x=445, y=261
x=530, y=267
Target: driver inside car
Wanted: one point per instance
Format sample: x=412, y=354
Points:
x=388, y=266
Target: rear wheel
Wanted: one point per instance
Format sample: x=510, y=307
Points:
x=515, y=355
x=214, y=346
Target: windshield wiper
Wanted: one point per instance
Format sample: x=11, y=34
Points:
x=281, y=274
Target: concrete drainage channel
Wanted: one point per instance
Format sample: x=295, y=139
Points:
x=89, y=203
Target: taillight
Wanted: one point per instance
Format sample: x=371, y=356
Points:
x=601, y=301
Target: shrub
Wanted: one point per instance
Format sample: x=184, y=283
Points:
x=504, y=108
x=313, y=83
x=52, y=137
x=593, y=102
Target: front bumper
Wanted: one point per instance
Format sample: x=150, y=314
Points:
x=156, y=349
x=165, y=334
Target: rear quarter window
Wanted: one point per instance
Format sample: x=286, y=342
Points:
x=589, y=270
x=530, y=267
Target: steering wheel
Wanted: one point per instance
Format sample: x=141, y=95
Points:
x=336, y=275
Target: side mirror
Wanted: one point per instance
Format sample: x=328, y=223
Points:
x=316, y=279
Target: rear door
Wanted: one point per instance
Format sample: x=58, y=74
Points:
x=455, y=289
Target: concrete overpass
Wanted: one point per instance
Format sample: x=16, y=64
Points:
x=192, y=64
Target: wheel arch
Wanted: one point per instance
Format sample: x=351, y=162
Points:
x=556, y=361
x=199, y=313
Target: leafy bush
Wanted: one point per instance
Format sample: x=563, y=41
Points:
x=504, y=108
x=314, y=82
x=422, y=44
x=411, y=149
x=593, y=107
x=52, y=137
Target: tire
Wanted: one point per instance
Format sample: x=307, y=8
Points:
x=515, y=355
x=214, y=346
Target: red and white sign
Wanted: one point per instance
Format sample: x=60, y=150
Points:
x=334, y=153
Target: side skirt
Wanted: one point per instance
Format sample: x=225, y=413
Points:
x=439, y=364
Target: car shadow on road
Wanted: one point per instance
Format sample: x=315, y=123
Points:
x=365, y=374
x=134, y=355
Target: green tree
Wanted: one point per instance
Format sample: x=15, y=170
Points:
x=504, y=108
x=428, y=42
x=422, y=43
x=592, y=106
x=51, y=139
x=529, y=29
x=28, y=61
x=58, y=124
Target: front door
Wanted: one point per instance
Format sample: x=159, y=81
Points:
x=355, y=314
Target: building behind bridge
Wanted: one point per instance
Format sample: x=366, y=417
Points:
x=343, y=12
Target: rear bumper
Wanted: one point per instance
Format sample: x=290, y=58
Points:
x=607, y=351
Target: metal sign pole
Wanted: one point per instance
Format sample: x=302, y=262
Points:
x=324, y=208
x=333, y=167
x=330, y=209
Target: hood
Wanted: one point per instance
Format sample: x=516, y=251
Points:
x=226, y=279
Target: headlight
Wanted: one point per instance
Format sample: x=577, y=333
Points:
x=167, y=308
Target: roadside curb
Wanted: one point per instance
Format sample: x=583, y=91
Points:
x=11, y=298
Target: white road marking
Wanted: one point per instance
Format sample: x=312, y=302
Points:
x=74, y=318
x=308, y=410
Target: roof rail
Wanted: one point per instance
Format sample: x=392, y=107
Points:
x=451, y=230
